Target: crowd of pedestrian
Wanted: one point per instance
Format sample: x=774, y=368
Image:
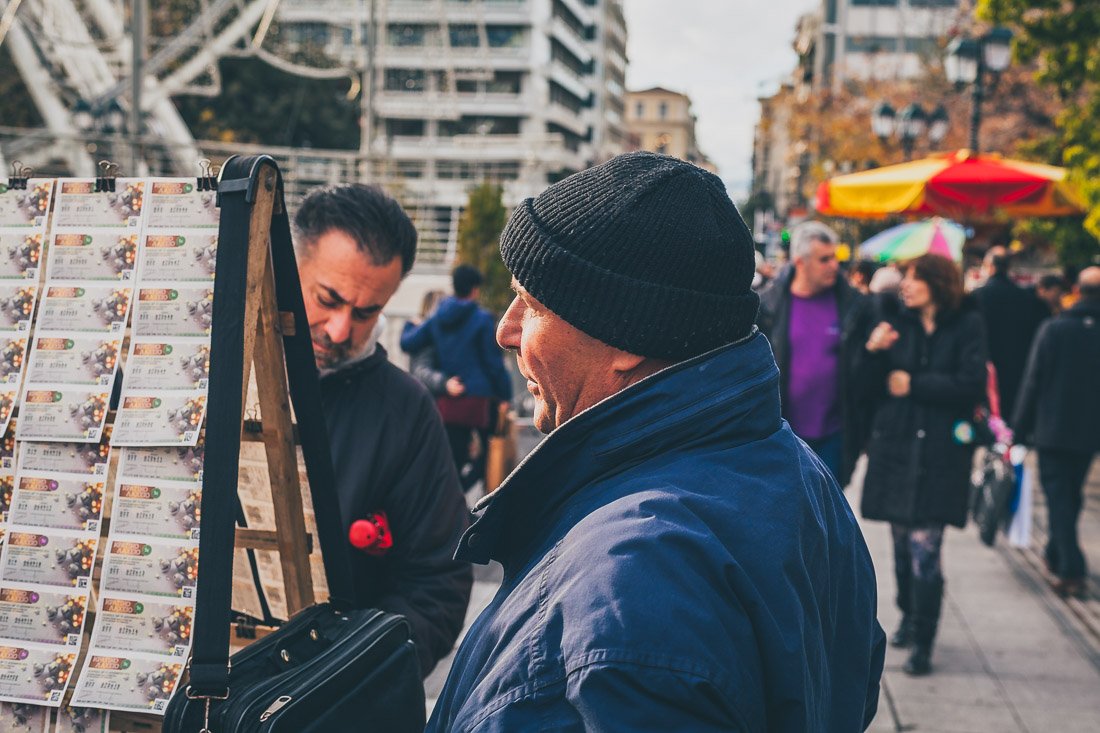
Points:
x=678, y=552
x=901, y=364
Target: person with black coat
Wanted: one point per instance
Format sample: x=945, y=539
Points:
x=924, y=371
x=1058, y=412
x=1012, y=316
x=390, y=454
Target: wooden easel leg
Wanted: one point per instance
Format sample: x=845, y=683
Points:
x=282, y=459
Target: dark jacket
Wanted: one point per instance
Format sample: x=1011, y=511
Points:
x=464, y=337
x=919, y=455
x=774, y=320
x=674, y=560
x=1012, y=316
x=1059, y=402
x=391, y=454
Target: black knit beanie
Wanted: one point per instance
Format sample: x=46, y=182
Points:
x=645, y=253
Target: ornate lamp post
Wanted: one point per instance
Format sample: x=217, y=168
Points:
x=911, y=124
x=969, y=61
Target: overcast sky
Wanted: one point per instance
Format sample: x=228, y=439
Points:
x=721, y=53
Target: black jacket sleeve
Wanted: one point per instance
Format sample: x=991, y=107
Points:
x=428, y=515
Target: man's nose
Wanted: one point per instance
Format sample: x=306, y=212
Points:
x=508, y=330
x=338, y=327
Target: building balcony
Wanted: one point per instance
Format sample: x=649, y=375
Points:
x=408, y=11
x=575, y=122
x=513, y=58
x=546, y=149
x=571, y=80
x=582, y=11
x=568, y=38
x=451, y=106
x=489, y=11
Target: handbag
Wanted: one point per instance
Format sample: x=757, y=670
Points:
x=332, y=667
x=464, y=411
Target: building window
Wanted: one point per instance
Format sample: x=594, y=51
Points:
x=404, y=128
x=504, y=82
x=404, y=80
x=662, y=143
x=639, y=110
x=878, y=3
x=505, y=36
x=662, y=110
x=871, y=44
x=407, y=34
x=464, y=36
x=476, y=125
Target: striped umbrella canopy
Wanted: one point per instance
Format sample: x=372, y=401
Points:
x=932, y=236
x=960, y=185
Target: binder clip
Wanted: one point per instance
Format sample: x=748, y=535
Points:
x=208, y=181
x=106, y=181
x=20, y=174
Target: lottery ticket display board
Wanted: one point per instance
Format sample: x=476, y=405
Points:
x=102, y=293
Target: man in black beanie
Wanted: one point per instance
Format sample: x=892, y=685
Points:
x=674, y=557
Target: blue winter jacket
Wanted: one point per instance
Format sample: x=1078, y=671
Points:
x=464, y=337
x=675, y=559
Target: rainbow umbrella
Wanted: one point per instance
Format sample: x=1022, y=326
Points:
x=932, y=236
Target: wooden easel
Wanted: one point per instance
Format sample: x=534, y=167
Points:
x=264, y=328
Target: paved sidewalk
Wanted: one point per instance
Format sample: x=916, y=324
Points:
x=1010, y=656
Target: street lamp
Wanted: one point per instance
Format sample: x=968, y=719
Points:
x=910, y=125
x=968, y=60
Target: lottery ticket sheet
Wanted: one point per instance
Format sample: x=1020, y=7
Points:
x=147, y=591
x=164, y=391
x=24, y=217
x=53, y=525
x=91, y=267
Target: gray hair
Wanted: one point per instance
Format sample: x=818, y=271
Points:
x=805, y=234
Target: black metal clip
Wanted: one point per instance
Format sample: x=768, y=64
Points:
x=208, y=181
x=106, y=181
x=20, y=174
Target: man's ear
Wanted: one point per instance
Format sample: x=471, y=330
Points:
x=623, y=362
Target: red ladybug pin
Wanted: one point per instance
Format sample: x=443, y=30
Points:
x=371, y=535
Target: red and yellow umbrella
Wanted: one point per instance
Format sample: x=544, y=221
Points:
x=960, y=185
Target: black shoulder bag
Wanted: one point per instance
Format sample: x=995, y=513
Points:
x=331, y=668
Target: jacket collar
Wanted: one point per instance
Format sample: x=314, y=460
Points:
x=728, y=396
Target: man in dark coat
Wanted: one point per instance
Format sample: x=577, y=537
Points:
x=1011, y=315
x=1058, y=412
x=809, y=315
x=354, y=244
x=675, y=559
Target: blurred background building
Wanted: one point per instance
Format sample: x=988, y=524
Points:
x=662, y=121
x=438, y=94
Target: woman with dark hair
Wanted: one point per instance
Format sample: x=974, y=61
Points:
x=923, y=370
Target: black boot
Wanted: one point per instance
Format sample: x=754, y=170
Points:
x=927, y=602
x=903, y=573
x=903, y=637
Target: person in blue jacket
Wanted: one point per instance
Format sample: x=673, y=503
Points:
x=675, y=558
x=460, y=334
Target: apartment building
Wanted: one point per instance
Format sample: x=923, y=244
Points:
x=662, y=121
x=519, y=92
x=874, y=39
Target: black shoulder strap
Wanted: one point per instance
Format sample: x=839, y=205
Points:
x=241, y=176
